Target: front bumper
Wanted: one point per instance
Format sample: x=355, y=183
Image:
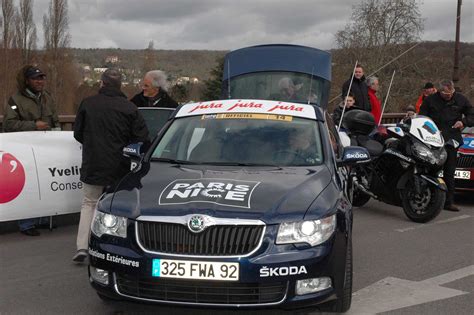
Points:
x=130, y=273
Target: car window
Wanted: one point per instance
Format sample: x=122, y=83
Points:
x=278, y=86
x=261, y=140
x=155, y=118
x=333, y=136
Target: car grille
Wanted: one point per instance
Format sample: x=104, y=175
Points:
x=216, y=240
x=204, y=292
x=465, y=161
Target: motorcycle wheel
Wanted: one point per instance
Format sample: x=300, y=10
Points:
x=425, y=206
x=359, y=198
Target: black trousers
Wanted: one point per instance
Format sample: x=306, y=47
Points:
x=448, y=173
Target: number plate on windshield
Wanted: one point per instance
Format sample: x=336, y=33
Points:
x=203, y=270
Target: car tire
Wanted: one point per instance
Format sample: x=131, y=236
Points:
x=343, y=303
x=359, y=198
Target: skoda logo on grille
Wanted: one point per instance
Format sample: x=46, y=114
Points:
x=196, y=224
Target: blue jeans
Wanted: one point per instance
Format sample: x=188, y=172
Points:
x=27, y=224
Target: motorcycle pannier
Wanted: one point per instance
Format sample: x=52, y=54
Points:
x=358, y=122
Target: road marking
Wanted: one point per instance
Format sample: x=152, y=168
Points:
x=419, y=226
x=393, y=293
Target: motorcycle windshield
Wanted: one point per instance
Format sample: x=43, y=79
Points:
x=425, y=130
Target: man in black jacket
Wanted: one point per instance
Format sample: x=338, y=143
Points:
x=154, y=93
x=359, y=89
x=446, y=108
x=105, y=123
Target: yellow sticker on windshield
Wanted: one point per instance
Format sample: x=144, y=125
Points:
x=250, y=116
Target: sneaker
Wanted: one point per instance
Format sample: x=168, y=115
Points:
x=31, y=232
x=451, y=207
x=80, y=256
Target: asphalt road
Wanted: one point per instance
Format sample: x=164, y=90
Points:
x=400, y=267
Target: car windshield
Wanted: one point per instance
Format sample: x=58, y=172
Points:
x=278, y=86
x=251, y=139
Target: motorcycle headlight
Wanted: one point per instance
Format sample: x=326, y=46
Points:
x=312, y=232
x=424, y=153
x=106, y=223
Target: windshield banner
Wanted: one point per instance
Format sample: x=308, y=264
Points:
x=248, y=106
x=39, y=174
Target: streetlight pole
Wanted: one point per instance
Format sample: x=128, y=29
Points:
x=456, y=45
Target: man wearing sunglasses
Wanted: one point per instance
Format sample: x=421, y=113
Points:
x=31, y=108
x=451, y=111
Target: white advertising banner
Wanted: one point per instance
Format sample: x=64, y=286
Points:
x=248, y=106
x=39, y=174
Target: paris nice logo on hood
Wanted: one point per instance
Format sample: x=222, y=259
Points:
x=228, y=192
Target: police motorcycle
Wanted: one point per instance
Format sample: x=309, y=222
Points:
x=406, y=160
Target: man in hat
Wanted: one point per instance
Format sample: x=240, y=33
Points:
x=31, y=108
x=428, y=89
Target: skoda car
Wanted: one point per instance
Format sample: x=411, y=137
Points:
x=464, y=175
x=237, y=203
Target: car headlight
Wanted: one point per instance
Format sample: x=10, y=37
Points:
x=312, y=232
x=424, y=153
x=106, y=223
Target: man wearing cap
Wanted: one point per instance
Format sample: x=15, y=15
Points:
x=105, y=123
x=31, y=108
x=428, y=89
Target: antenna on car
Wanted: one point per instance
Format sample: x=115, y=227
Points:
x=310, y=85
x=228, y=78
x=345, y=98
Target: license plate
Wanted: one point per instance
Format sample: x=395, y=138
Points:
x=202, y=270
x=462, y=174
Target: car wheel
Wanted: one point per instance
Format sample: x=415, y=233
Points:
x=343, y=303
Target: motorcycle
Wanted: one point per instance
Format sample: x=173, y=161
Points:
x=404, y=167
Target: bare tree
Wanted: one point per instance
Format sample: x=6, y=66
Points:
x=8, y=15
x=56, y=42
x=56, y=26
x=7, y=56
x=378, y=32
x=25, y=30
x=377, y=26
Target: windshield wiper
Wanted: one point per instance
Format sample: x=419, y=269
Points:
x=173, y=161
x=238, y=164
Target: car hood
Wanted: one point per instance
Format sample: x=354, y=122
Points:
x=269, y=194
x=468, y=143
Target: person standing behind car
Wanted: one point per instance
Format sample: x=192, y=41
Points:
x=105, y=123
x=154, y=91
x=375, y=103
x=359, y=89
x=447, y=107
x=31, y=108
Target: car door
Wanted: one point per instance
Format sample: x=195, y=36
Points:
x=155, y=118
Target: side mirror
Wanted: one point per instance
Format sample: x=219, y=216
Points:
x=133, y=152
x=354, y=155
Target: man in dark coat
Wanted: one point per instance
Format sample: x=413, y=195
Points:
x=447, y=107
x=31, y=108
x=359, y=89
x=105, y=124
x=154, y=93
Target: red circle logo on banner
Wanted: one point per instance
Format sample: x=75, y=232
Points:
x=12, y=177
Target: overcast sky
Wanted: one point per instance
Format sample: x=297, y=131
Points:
x=230, y=24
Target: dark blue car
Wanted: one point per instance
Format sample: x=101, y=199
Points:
x=238, y=203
